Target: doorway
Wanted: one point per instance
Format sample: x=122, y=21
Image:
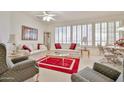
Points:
x=47, y=40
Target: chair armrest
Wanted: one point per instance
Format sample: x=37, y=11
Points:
x=19, y=59
x=107, y=71
x=78, y=78
x=24, y=64
x=120, y=78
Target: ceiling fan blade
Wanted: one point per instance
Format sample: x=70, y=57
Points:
x=44, y=18
x=40, y=15
x=51, y=15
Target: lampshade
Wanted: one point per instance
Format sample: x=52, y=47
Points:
x=84, y=39
x=11, y=38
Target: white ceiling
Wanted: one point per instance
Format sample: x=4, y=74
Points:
x=77, y=15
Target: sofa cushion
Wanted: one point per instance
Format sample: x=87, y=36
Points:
x=43, y=48
x=35, y=52
x=26, y=48
x=58, y=46
x=73, y=46
x=31, y=46
x=93, y=76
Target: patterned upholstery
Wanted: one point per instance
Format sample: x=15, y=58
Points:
x=93, y=76
x=73, y=46
x=21, y=71
x=99, y=73
x=107, y=71
x=20, y=75
x=101, y=49
x=3, y=65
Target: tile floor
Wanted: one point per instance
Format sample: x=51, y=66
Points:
x=47, y=75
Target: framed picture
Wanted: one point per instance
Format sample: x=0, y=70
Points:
x=29, y=33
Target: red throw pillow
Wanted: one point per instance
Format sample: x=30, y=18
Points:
x=39, y=46
x=26, y=48
x=73, y=46
x=58, y=46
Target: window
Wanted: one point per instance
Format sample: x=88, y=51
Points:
x=79, y=34
x=84, y=33
x=111, y=33
x=89, y=34
x=60, y=34
x=104, y=33
x=74, y=34
x=97, y=34
x=68, y=34
x=117, y=32
x=63, y=34
x=76, y=31
x=56, y=34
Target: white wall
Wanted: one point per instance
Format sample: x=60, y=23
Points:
x=4, y=26
x=19, y=19
x=11, y=23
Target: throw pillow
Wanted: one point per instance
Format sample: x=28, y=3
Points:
x=73, y=46
x=26, y=48
x=58, y=46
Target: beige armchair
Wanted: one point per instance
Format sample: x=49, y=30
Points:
x=18, y=71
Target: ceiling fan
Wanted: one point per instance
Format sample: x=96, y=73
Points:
x=47, y=16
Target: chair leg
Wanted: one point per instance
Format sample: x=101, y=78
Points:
x=37, y=77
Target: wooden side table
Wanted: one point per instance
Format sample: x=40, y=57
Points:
x=85, y=50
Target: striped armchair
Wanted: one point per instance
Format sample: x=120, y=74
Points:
x=18, y=71
x=99, y=73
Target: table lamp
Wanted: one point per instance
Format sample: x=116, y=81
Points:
x=12, y=41
x=84, y=39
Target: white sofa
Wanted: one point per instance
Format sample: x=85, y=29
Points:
x=65, y=49
x=34, y=51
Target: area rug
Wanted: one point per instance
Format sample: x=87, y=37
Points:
x=66, y=65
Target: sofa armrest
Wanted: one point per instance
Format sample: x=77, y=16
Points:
x=107, y=71
x=19, y=59
x=24, y=64
x=78, y=78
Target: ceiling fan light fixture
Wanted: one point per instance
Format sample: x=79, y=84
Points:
x=46, y=16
